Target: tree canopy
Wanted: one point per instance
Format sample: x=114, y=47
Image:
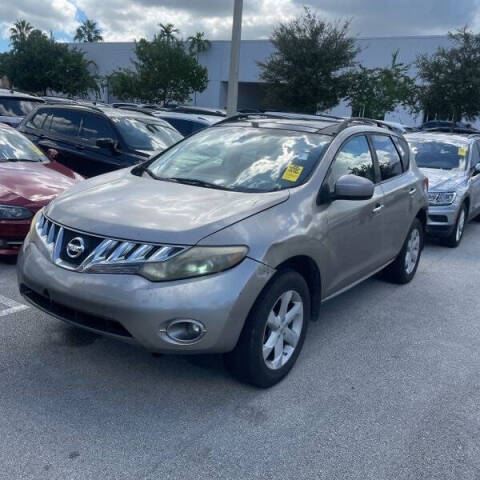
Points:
x=37, y=63
x=308, y=69
x=449, y=86
x=163, y=71
x=88, y=31
x=373, y=92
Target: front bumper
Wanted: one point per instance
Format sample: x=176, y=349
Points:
x=131, y=308
x=442, y=219
x=12, y=234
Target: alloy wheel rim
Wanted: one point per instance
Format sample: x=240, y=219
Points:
x=283, y=330
x=460, y=225
x=413, y=251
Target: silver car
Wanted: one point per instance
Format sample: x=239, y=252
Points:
x=451, y=162
x=228, y=241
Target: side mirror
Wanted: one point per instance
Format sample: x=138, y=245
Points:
x=351, y=187
x=476, y=169
x=52, y=154
x=106, y=143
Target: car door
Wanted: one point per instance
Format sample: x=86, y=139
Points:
x=475, y=181
x=399, y=189
x=355, y=227
x=99, y=159
x=60, y=132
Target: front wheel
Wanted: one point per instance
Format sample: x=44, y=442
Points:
x=403, y=269
x=274, y=332
x=454, y=239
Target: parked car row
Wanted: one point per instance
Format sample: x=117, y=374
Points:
x=228, y=241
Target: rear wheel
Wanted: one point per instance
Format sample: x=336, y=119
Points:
x=403, y=269
x=274, y=332
x=454, y=239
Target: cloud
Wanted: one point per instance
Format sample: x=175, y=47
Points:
x=133, y=19
x=47, y=15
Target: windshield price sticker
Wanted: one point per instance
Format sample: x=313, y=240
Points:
x=292, y=172
x=462, y=151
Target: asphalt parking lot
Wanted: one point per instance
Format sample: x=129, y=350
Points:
x=387, y=387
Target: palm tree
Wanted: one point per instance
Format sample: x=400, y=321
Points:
x=20, y=31
x=88, y=32
x=168, y=31
x=198, y=44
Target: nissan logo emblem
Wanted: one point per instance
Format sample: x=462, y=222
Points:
x=75, y=247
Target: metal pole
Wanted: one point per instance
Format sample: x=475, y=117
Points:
x=232, y=96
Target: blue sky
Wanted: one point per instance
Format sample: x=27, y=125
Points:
x=126, y=20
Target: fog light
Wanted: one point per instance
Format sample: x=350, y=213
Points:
x=185, y=331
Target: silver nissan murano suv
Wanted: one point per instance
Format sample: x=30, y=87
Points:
x=228, y=241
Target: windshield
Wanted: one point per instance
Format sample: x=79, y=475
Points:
x=451, y=154
x=15, y=147
x=146, y=134
x=243, y=159
x=16, y=107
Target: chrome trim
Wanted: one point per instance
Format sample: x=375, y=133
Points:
x=110, y=256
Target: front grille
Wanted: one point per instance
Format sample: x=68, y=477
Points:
x=83, y=252
x=77, y=317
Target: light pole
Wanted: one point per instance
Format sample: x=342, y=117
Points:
x=232, y=95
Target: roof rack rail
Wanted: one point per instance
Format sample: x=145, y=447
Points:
x=136, y=109
x=278, y=115
x=369, y=121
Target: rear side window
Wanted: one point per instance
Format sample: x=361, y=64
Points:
x=404, y=150
x=95, y=127
x=17, y=107
x=354, y=158
x=185, y=127
x=388, y=157
x=66, y=122
x=37, y=120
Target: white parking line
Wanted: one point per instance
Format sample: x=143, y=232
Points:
x=12, y=306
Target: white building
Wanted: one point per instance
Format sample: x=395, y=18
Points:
x=375, y=52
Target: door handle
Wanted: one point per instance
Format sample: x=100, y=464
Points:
x=377, y=208
x=79, y=147
x=412, y=191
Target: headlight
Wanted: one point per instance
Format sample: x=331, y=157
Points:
x=8, y=212
x=441, y=198
x=195, y=262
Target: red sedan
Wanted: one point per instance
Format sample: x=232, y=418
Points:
x=28, y=181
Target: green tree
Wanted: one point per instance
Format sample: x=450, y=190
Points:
x=168, y=32
x=88, y=32
x=198, y=43
x=163, y=73
x=37, y=63
x=19, y=32
x=373, y=92
x=307, y=70
x=449, y=80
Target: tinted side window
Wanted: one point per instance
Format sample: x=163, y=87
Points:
x=66, y=122
x=388, y=157
x=37, y=120
x=183, y=126
x=95, y=127
x=404, y=150
x=354, y=158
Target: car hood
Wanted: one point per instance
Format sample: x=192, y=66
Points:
x=31, y=183
x=124, y=206
x=443, y=180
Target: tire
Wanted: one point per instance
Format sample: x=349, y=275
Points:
x=454, y=239
x=246, y=362
x=403, y=269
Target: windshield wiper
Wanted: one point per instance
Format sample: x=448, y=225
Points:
x=19, y=160
x=193, y=181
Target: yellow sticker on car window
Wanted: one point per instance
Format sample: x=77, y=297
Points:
x=462, y=151
x=292, y=172
x=35, y=149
